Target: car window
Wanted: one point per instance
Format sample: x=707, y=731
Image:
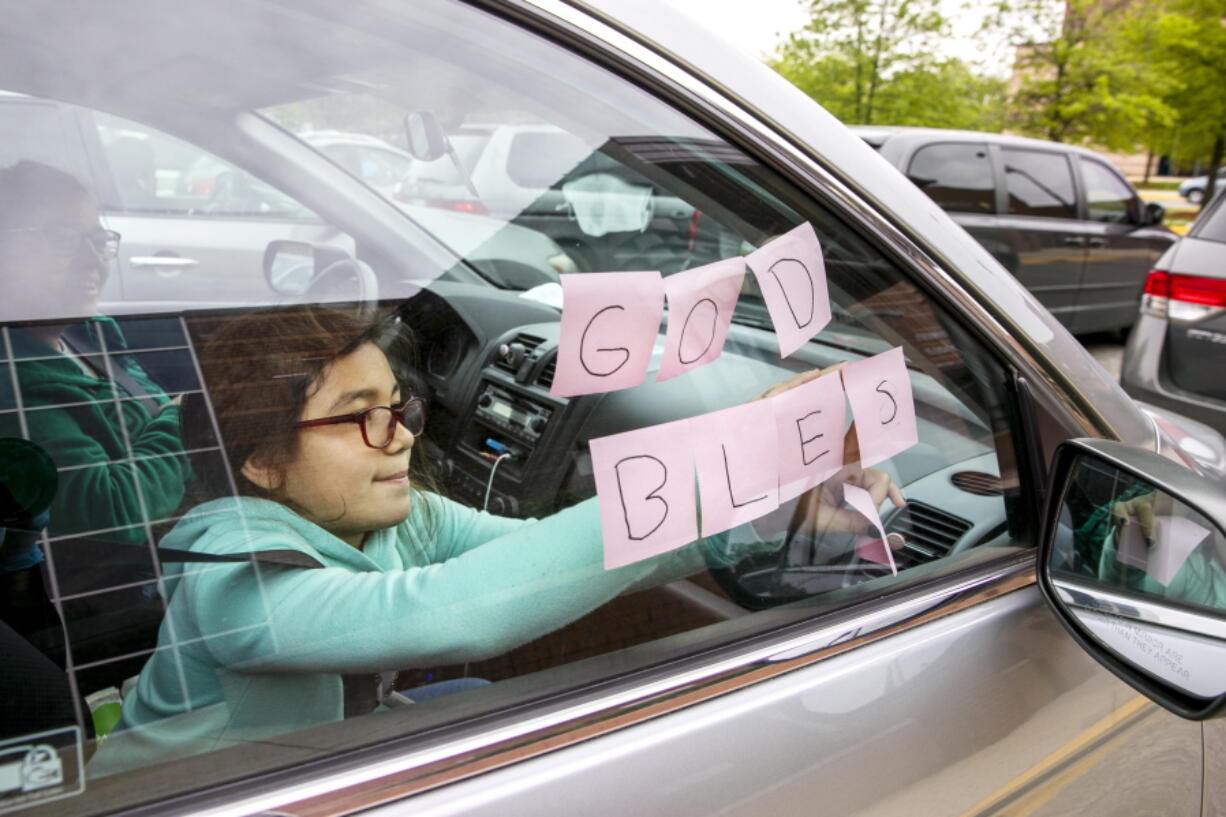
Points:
x=158, y=174
x=1038, y=183
x=265, y=534
x=1212, y=225
x=1108, y=197
x=39, y=130
x=957, y=176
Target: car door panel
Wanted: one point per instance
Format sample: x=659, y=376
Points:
x=984, y=711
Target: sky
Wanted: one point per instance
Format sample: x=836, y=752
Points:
x=758, y=25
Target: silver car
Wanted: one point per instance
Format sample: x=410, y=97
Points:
x=1028, y=643
x=1175, y=354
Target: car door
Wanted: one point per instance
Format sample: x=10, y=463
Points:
x=787, y=663
x=1120, y=249
x=1038, y=224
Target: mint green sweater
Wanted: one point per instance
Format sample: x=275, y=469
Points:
x=251, y=650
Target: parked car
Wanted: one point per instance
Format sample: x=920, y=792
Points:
x=1177, y=353
x=1059, y=217
x=803, y=679
x=606, y=213
x=1193, y=189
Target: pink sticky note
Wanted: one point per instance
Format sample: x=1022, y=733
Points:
x=875, y=550
x=645, y=485
x=700, y=304
x=1175, y=539
x=609, y=325
x=1130, y=546
x=738, y=474
x=809, y=422
x=879, y=391
x=791, y=273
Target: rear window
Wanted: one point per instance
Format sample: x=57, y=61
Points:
x=1212, y=225
x=957, y=176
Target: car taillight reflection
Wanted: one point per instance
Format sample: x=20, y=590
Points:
x=1183, y=297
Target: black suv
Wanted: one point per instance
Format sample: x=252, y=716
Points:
x=1060, y=218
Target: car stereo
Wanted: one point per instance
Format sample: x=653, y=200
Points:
x=512, y=414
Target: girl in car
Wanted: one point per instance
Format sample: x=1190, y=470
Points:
x=349, y=565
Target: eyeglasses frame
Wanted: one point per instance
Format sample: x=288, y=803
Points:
x=110, y=247
x=359, y=417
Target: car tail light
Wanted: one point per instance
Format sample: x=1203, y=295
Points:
x=1183, y=297
x=458, y=205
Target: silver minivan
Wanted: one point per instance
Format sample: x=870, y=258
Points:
x=1042, y=634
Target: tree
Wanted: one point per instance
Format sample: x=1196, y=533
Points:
x=1081, y=74
x=1189, y=46
x=874, y=61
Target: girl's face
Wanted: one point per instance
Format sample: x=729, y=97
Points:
x=336, y=480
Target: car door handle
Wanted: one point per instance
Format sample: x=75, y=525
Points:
x=1074, y=241
x=1096, y=242
x=166, y=266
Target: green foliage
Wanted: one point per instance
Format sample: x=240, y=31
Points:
x=1087, y=82
x=874, y=62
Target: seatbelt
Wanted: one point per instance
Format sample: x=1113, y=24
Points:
x=80, y=341
x=118, y=553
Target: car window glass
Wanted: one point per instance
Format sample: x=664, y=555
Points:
x=38, y=130
x=1212, y=225
x=1108, y=197
x=244, y=521
x=157, y=173
x=1038, y=183
x=957, y=176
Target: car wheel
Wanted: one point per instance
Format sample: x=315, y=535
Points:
x=1196, y=196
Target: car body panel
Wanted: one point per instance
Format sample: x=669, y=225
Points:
x=843, y=736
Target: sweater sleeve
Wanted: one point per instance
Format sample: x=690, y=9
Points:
x=482, y=602
x=97, y=493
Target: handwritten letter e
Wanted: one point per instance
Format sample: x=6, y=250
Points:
x=609, y=325
x=791, y=273
x=645, y=481
x=879, y=391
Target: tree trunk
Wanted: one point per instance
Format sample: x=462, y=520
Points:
x=1149, y=162
x=1215, y=161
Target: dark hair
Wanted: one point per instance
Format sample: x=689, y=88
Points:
x=29, y=185
x=260, y=369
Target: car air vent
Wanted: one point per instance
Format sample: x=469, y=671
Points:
x=977, y=482
x=511, y=364
x=545, y=380
x=930, y=533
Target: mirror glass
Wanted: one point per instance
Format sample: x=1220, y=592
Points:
x=1144, y=575
x=290, y=266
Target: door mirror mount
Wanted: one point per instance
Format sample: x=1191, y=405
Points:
x=1133, y=562
x=1154, y=214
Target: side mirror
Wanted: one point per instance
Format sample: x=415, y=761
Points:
x=1154, y=213
x=297, y=267
x=1133, y=562
x=425, y=136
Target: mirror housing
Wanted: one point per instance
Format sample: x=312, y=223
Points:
x=1132, y=561
x=425, y=136
x=1154, y=213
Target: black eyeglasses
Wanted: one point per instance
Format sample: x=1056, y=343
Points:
x=66, y=239
x=378, y=423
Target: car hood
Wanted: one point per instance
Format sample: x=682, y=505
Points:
x=797, y=118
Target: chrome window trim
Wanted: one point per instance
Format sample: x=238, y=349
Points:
x=1098, y=600
x=573, y=17
x=401, y=775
